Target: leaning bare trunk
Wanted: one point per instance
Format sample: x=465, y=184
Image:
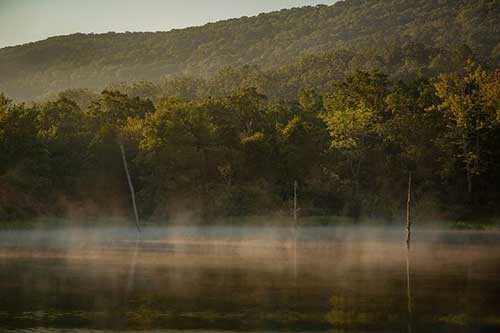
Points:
x=131, y=186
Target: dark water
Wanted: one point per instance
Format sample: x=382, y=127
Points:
x=249, y=279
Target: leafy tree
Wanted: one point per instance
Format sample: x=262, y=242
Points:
x=62, y=128
x=355, y=113
x=349, y=145
x=469, y=104
x=24, y=162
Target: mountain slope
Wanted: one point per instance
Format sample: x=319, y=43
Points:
x=267, y=40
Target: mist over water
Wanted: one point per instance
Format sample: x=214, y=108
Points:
x=233, y=278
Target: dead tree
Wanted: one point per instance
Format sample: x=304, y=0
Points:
x=295, y=213
x=131, y=186
x=408, y=212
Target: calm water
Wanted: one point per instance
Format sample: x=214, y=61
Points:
x=249, y=279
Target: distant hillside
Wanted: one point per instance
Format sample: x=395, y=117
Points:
x=385, y=30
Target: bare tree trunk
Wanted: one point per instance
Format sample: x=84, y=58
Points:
x=408, y=263
x=408, y=212
x=203, y=167
x=468, y=166
x=131, y=186
x=355, y=205
x=295, y=211
x=295, y=202
x=469, y=182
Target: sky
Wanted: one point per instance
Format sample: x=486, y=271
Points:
x=23, y=21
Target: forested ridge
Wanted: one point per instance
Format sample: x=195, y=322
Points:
x=221, y=120
x=404, y=38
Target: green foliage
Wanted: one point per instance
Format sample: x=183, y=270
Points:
x=349, y=148
x=285, y=49
x=24, y=161
x=221, y=120
x=470, y=104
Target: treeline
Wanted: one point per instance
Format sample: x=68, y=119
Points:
x=350, y=148
x=319, y=71
x=405, y=38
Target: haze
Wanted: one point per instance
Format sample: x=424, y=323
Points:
x=24, y=21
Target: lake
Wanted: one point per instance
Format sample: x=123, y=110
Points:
x=249, y=279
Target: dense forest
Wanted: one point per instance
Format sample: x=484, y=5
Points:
x=404, y=38
x=350, y=148
x=221, y=120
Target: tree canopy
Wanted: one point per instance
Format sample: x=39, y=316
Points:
x=350, y=149
x=222, y=120
x=403, y=38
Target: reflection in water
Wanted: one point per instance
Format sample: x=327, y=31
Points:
x=245, y=279
x=408, y=287
x=295, y=263
x=133, y=263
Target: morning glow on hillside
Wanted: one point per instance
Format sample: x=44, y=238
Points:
x=249, y=166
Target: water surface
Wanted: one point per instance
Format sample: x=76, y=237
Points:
x=252, y=279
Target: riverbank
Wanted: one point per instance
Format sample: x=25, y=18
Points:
x=484, y=224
